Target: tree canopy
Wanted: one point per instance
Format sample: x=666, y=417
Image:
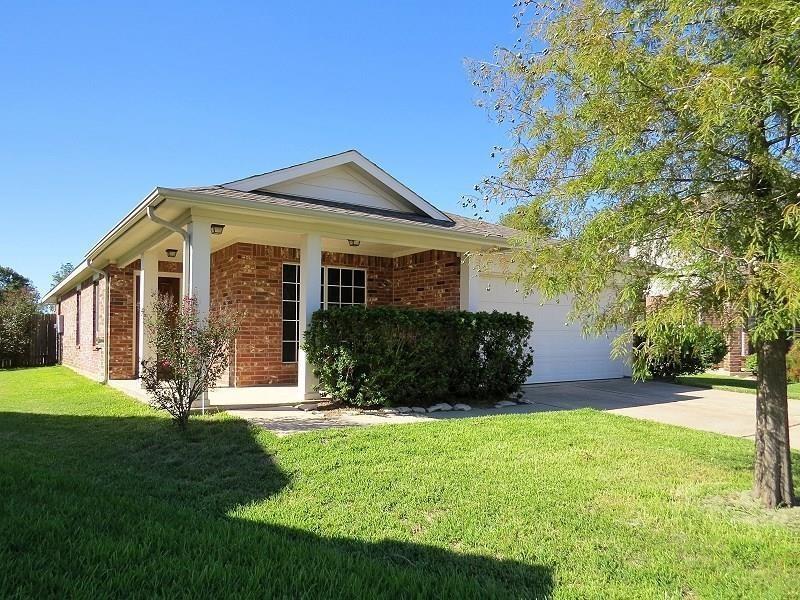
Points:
x=62, y=272
x=11, y=281
x=661, y=139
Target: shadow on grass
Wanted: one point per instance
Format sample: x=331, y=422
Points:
x=104, y=506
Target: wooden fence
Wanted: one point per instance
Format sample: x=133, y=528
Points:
x=43, y=349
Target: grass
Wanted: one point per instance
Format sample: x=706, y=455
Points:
x=103, y=497
x=731, y=384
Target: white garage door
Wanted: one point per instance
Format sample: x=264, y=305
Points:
x=560, y=350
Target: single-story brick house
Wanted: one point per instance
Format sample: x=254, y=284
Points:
x=283, y=244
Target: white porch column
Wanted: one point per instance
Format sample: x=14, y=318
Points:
x=148, y=288
x=310, y=282
x=470, y=283
x=197, y=265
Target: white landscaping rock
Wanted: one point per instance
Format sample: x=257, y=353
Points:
x=388, y=411
x=443, y=406
x=461, y=406
x=505, y=403
x=306, y=407
x=418, y=409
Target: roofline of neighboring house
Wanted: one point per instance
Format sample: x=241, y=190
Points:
x=160, y=194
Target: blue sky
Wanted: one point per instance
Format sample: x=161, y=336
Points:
x=101, y=102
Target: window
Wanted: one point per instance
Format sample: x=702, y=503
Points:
x=94, y=312
x=343, y=286
x=78, y=318
x=291, y=313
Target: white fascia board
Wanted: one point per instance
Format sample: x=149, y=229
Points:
x=265, y=180
x=308, y=216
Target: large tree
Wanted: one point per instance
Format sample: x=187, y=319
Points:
x=661, y=139
x=61, y=274
x=19, y=303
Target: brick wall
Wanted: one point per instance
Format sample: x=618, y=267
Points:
x=122, y=335
x=82, y=354
x=248, y=277
x=428, y=279
x=379, y=274
x=734, y=359
x=170, y=266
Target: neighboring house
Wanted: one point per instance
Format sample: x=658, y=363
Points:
x=278, y=246
x=738, y=349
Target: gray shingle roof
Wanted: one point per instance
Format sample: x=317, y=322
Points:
x=457, y=223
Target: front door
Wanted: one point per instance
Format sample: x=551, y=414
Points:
x=170, y=286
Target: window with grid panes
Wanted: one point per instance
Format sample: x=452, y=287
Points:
x=290, y=306
x=343, y=286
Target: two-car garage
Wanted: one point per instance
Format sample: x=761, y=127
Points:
x=561, y=351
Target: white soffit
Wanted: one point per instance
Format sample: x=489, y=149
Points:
x=343, y=178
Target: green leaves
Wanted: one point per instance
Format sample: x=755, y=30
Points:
x=191, y=353
x=660, y=140
x=392, y=356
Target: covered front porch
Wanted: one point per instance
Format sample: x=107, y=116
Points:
x=275, y=274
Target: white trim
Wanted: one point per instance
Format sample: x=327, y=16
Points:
x=349, y=157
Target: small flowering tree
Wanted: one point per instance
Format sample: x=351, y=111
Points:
x=191, y=354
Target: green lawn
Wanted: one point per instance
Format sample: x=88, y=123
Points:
x=101, y=497
x=731, y=384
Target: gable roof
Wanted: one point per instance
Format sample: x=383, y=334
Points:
x=363, y=170
x=396, y=206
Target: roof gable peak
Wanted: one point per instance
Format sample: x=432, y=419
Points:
x=348, y=177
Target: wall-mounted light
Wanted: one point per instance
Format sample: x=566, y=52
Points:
x=172, y=252
x=216, y=229
x=354, y=243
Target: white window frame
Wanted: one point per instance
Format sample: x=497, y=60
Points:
x=297, y=314
x=323, y=297
x=324, y=285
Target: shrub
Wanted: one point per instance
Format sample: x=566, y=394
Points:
x=391, y=356
x=684, y=350
x=18, y=309
x=751, y=363
x=191, y=354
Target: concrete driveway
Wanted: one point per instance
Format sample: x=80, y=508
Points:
x=729, y=413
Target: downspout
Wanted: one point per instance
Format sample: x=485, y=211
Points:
x=106, y=316
x=151, y=214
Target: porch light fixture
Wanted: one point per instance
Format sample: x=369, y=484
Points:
x=354, y=243
x=216, y=229
x=172, y=252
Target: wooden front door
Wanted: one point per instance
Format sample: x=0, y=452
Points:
x=170, y=286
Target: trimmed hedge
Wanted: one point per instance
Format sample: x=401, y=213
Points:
x=394, y=356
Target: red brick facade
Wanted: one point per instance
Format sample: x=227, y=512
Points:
x=248, y=277
x=427, y=280
x=82, y=343
x=122, y=317
x=738, y=346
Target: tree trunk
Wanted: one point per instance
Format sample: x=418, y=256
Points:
x=772, y=483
